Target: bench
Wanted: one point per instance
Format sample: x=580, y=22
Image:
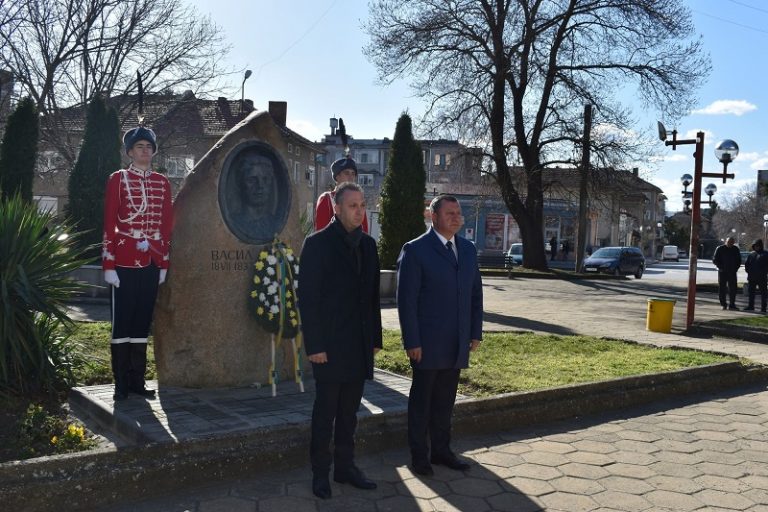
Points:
x=494, y=261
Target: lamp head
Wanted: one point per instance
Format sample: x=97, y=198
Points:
x=710, y=189
x=726, y=151
x=662, y=130
x=248, y=74
x=686, y=179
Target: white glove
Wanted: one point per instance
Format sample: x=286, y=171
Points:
x=110, y=276
x=163, y=272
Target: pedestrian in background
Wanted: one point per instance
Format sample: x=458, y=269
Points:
x=440, y=305
x=341, y=321
x=138, y=217
x=757, y=275
x=552, y=248
x=727, y=259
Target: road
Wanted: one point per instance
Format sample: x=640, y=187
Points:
x=677, y=272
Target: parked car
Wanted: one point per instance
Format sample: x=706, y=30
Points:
x=616, y=261
x=744, y=256
x=515, y=254
x=670, y=252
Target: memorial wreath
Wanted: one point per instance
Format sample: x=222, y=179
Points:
x=274, y=302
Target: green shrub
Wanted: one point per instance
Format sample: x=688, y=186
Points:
x=42, y=433
x=35, y=255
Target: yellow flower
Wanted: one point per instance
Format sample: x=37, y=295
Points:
x=292, y=313
x=263, y=255
x=288, y=294
x=294, y=322
x=259, y=265
x=54, y=440
x=254, y=294
x=289, y=252
x=289, y=304
x=259, y=310
x=256, y=279
x=270, y=316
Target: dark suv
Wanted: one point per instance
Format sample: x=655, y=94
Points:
x=617, y=261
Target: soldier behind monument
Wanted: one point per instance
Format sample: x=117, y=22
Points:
x=138, y=216
x=341, y=319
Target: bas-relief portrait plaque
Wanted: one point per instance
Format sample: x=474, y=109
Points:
x=254, y=192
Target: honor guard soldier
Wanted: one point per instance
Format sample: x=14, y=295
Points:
x=343, y=170
x=138, y=216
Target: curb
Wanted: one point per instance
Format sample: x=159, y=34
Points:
x=725, y=330
x=87, y=480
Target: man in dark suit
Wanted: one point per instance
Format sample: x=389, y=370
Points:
x=440, y=304
x=341, y=320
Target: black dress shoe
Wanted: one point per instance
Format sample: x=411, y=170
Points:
x=725, y=307
x=146, y=393
x=748, y=308
x=119, y=396
x=733, y=307
x=354, y=477
x=450, y=461
x=422, y=467
x=321, y=487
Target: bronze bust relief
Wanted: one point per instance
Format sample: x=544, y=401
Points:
x=254, y=192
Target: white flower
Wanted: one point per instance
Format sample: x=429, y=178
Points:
x=272, y=289
x=262, y=297
x=271, y=259
x=266, y=281
x=295, y=283
x=277, y=298
x=274, y=310
x=296, y=270
x=270, y=271
x=290, y=257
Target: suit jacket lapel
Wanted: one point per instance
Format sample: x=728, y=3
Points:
x=441, y=249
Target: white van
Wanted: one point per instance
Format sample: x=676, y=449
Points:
x=669, y=252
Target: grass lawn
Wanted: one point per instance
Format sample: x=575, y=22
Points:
x=507, y=362
x=757, y=321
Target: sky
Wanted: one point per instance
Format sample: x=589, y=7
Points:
x=309, y=53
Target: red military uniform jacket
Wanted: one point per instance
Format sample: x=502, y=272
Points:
x=324, y=211
x=138, y=217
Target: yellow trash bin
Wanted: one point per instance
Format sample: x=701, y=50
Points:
x=659, y=317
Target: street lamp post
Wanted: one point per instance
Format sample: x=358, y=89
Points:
x=242, y=90
x=725, y=151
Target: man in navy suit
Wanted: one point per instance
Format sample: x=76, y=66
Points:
x=341, y=320
x=440, y=304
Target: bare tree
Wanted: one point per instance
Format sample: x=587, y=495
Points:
x=63, y=53
x=514, y=76
x=742, y=213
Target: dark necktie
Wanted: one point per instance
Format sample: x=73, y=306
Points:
x=449, y=246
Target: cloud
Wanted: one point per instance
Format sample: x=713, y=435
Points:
x=306, y=129
x=760, y=163
x=726, y=107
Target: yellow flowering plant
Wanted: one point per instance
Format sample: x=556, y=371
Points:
x=273, y=295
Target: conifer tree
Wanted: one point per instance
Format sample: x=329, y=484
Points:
x=402, y=195
x=18, y=155
x=99, y=157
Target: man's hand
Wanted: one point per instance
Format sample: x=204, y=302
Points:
x=473, y=346
x=319, y=358
x=414, y=353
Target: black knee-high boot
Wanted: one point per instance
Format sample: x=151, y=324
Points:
x=121, y=367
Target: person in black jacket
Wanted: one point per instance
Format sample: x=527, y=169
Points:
x=727, y=259
x=341, y=321
x=757, y=275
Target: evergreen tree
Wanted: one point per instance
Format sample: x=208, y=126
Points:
x=402, y=195
x=99, y=157
x=18, y=155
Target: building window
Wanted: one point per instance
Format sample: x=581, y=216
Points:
x=290, y=147
x=298, y=151
x=296, y=172
x=310, y=176
x=365, y=180
x=179, y=166
x=49, y=162
x=363, y=158
x=440, y=160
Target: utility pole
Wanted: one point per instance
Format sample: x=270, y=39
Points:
x=583, y=197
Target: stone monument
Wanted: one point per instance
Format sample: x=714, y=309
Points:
x=233, y=205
